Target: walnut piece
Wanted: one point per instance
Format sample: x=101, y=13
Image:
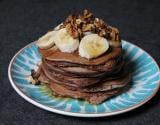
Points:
x=78, y=25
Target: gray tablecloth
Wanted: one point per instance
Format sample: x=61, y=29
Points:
x=23, y=21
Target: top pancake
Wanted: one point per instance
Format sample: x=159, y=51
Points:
x=53, y=54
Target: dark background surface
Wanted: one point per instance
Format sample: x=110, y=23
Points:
x=22, y=22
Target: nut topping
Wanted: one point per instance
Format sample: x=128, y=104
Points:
x=78, y=25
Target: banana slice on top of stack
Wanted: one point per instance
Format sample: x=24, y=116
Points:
x=65, y=42
x=46, y=41
x=92, y=46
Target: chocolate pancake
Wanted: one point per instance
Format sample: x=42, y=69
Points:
x=53, y=54
x=108, y=66
x=82, y=71
x=93, y=98
x=109, y=84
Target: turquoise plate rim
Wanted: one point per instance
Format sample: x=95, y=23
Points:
x=42, y=106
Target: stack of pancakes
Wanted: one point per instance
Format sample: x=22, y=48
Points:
x=70, y=75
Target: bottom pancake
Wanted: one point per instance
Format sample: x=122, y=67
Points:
x=94, y=95
x=93, y=98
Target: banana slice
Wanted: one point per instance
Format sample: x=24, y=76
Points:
x=46, y=41
x=92, y=46
x=65, y=42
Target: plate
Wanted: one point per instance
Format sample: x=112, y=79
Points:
x=143, y=86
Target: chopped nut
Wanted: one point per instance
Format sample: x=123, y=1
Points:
x=102, y=33
x=35, y=74
x=70, y=19
x=96, y=19
x=33, y=81
x=87, y=14
x=78, y=21
x=75, y=33
x=72, y=31
x=114, y=34
x=99, y=23
x=87, y=27
x=117, y=37
x=33, y=78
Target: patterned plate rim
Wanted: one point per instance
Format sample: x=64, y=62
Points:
x=42, y=106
